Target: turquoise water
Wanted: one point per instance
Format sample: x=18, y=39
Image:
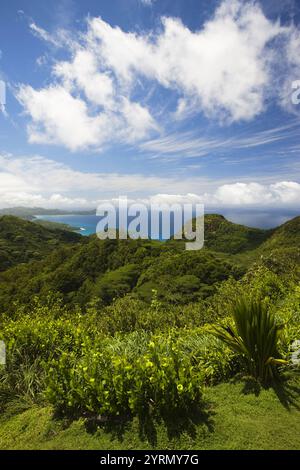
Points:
x=86, y=224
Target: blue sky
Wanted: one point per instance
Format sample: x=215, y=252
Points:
x=177, y=99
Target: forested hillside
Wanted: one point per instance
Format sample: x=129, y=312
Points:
x=134, y=331
x=85, y=269
x=22, y=241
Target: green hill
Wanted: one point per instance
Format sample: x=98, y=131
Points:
x=109, y=269
x=228, y=237
x=111, y=343
x=248, y=244
x=284, y=236
x=29, y=213
x=85, y=268
x=22, y=241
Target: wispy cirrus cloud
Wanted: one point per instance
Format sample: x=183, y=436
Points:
x=43, y=34
x=185, y=144
x=189, y=145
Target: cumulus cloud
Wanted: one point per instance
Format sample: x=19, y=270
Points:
x=59, y=117
x=83, y=73
x=284, y=193
x=83, y=108
x=223, y=70
x=237, y=195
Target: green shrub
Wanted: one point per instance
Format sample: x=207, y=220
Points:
x=216, y=361
x=288, y=311
x=254, y=336
x=135, y=377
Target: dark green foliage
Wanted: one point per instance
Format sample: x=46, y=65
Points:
x=285, y=236
x=254, y=336
x=227, y=237
x=112, y=268
x=22, y=241
x=135, y=375
x=116, y=283
x=73, y=361
x=131, y=357
x=123, y=327
x=186, y=276
x=56, y=225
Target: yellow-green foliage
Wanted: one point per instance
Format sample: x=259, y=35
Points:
x=136, y=376
x=79, y=368
x=132, y=357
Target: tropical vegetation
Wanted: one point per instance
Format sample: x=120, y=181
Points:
x=134, y=331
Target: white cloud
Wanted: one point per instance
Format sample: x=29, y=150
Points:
x=36, y=180
x=284, y=193
x=43, y=34
x=61, y=37
x=83, y=73
x=223, y=70
x=238, y=196
x=189, y=144
x=185, y=144
x=60, y=116
x=243, y=194
x=138, y=120
x=224, y=66
x=32, y=181
x=293, y=47
x=287, y=192
x=147, y=2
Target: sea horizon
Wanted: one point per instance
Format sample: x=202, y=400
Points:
x=86, y=224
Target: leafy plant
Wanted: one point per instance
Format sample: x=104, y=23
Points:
x=136, y=375
x=254, y=336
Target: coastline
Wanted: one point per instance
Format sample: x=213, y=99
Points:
x=44, y=221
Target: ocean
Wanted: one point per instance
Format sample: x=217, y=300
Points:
x=86, y=224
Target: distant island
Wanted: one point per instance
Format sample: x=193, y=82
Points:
x=29, y=213
x=32, y=213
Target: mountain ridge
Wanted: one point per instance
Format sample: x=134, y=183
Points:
x=35, y=261
x=22, y=241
